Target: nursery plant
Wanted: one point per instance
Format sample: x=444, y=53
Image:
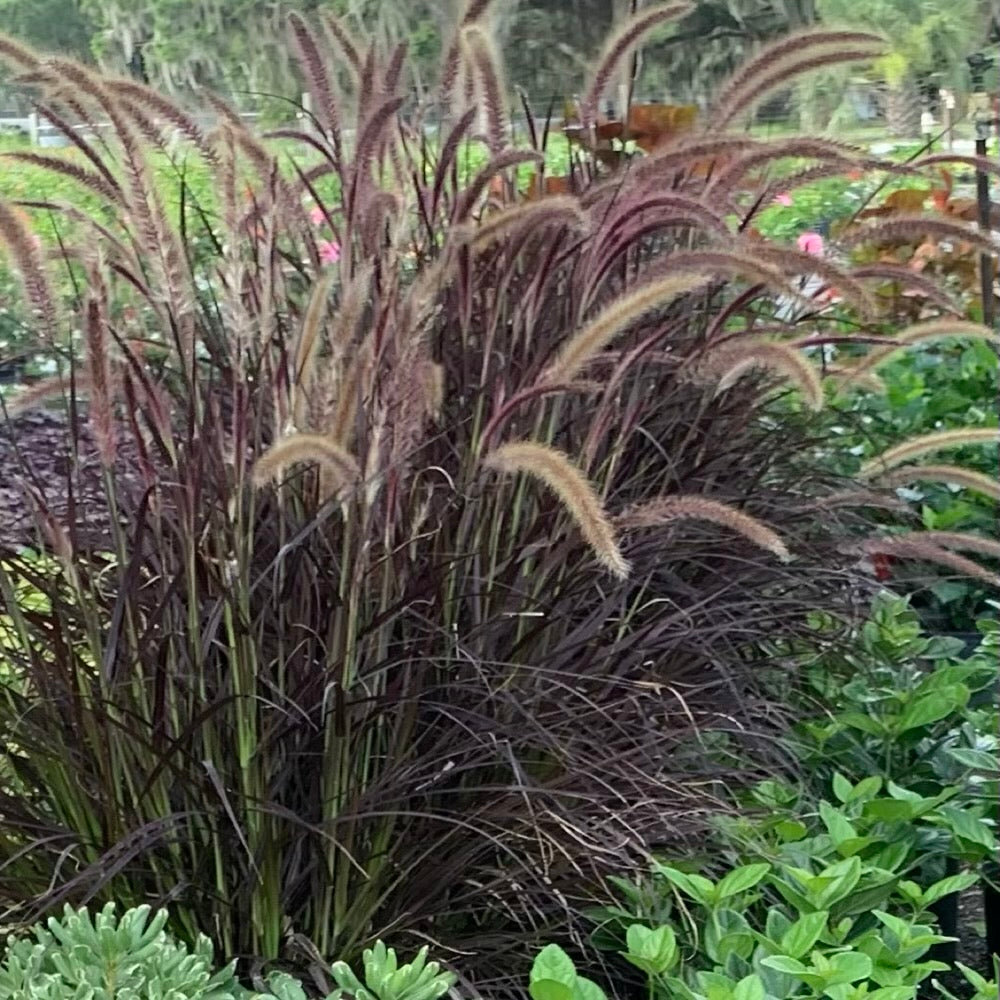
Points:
x=404, y=532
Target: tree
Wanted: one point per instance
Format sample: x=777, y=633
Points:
x=928, y=38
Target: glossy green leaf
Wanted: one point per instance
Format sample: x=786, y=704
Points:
x=554, y=964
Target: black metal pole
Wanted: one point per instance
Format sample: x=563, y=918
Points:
x=978, y=64
x=987, y=264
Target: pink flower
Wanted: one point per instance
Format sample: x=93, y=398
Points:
x=810, y=242
x=329, y=251
x=784, y=198
x=316, y=216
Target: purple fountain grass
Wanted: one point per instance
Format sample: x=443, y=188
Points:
x=314, y=668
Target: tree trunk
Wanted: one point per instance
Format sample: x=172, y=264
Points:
x=902, y=109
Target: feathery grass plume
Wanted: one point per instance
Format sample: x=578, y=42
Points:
x=307, y=348
x=579, y=499
x=298, y=448
x=961, y=541
x=767, y=153
x=101, y=413
x=955, y=475
x=317, y=77
x=938, y=441
x=619, y=45
x=684, y=210
x=76, y=138
x=789, y=44
x=67, y=168
x=858, y=498
x=477, y=186
x=342, y=40
x=665, y=510
x=920, y=333
x=44, y=390
x=982, y=164
x=684, y=154
x=753, y=79
x=615, y=319
x=790, y=68
x=15, y=54
x=916, y=226
x=912, y=546
x=453, y=57
x=146, y=97
x=732, y=264
x=29, y=264
x=484, y=59
x=796, y=261
x=910, y=281
x=730, y=361
x=559, y=210
x=353, y=389
x=394, y=68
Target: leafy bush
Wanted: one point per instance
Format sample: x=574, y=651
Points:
x=101, y=957
x=390, y=584
x=88, y=956
x=902, y=706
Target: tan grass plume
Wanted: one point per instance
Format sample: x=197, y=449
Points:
x=912, y=546
x=340, y=465
x=961, y=541
x=307, y=349
x=553, y=468
x=977, y=482
x=615, y=319
x=558, y=210
x=937, y=441
x=732, y=360
x=665, y=510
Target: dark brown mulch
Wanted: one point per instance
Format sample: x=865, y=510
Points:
x=36, y=450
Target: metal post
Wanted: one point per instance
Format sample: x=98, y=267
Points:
x=33, y=128
x=982, y=118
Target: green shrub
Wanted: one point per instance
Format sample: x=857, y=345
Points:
x=98, y=956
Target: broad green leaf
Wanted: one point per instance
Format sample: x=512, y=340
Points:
x=971, y=828
x=933, y=708
x=791, y=830
x=866, y=788
x=978, y=760
x=842, y=788
x=587, y=989
x=652, y=950
x=553, y=963
x=837, y=824
x=893, y=993
x=897, y=925
x=783, y=963
x=851, y=966
x=696, y=886
x=549, y=989
x=742, y=879
x=799, y=939
x=954, y=883
x=864, y=723
x=749, y=988
x=888, y=810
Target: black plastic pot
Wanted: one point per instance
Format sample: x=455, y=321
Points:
x=991, y=907
x=946, y=912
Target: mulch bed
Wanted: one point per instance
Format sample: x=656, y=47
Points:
x=36, y=451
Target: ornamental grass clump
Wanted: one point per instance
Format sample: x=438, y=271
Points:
x=397, y=569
